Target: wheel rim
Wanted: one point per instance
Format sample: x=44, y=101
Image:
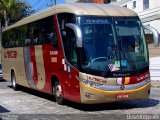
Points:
x=58, y=91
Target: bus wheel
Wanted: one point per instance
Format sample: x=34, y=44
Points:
x=58, y=93
x=13, y=80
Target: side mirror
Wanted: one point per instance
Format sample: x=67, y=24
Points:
x=77, y=32
x=155, y=35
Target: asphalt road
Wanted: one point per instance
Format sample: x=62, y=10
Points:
x=28, y=104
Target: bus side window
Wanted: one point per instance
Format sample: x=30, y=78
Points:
x=36, y=40
x=50, y=32
x=33, y=37
x=23, y=35
x=39, y=32
x=4, y=39
x=12, y=37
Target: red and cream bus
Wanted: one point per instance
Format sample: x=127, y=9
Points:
x=87, y=53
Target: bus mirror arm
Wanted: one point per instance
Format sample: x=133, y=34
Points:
x=77, y=32
x=155, y=35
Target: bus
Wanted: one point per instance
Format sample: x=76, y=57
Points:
x=83, y=52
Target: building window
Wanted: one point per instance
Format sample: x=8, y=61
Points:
x=145, y=4
x=125, y=6
x=134, y=4
x=113, y=0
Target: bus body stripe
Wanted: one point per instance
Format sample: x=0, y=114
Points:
x=40, y=67
x=127, y=80
x=28, y=66
x=33, y=60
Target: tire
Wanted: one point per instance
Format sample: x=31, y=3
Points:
x=58, y=93
x=13, y=80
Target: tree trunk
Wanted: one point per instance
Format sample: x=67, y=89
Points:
x=5, y=18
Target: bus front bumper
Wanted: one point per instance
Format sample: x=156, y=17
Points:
x=91, y=95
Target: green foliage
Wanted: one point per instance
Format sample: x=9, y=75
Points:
x=13, y=10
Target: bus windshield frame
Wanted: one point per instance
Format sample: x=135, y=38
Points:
x=113, y=46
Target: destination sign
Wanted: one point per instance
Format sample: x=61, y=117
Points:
x=96, y=21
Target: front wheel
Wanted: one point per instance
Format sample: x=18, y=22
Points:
x=58, y=93
x=13, y=80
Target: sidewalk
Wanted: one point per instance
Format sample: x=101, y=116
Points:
x=155, y=68
x=154, y=54
x=155, y=83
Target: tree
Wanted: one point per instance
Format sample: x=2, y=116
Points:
x=12, y=10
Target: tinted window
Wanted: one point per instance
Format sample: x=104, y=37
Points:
x=35, y=33
x=42, y=32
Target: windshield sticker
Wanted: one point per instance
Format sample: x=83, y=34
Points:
x=112, y=67
x=117, y=64
x=69, y=69
x=123, y=63
x=96, y=21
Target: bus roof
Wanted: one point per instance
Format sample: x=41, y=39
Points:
x=78, y=9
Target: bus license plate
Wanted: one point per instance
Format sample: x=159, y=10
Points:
x=122, y=96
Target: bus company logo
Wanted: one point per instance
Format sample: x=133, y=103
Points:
x=10, y=54
x=122, y=87
x=97, y=80
x=143, y=77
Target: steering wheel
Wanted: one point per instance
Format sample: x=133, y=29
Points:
x=99, y=58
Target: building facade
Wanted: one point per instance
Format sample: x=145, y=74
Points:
x=148, y=10
x=87, y=1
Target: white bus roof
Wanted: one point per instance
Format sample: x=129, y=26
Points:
x=78, y=9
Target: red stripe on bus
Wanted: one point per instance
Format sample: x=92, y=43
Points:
x=57, y=31
x=72, y=93
x=50, y=68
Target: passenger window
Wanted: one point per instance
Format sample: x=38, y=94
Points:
x=43, y=32
x=51, y=36
x=36, y=33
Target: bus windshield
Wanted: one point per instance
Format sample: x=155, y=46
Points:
x=113, y=46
